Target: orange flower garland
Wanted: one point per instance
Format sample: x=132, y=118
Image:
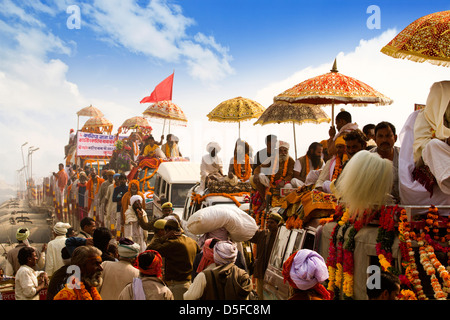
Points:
x=238, y=169
x=338, y=166
x=199, y=199
x=412, y=274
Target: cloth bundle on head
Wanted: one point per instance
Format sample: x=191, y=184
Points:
x=283, y=144
x=225, y=252
x=213, y=145
x=208, y=255
x=22, y=236
x=147, y=267
x=304, y=269
x=60, y=228
x=128, y=249
x=135, y=198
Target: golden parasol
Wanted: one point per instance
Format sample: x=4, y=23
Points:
x=98, y=125
x=285, y=112
x=236, y=110
x=425, y=39
x=89, y=112
x=166, y=110
x=333, y=88
x=137, y=123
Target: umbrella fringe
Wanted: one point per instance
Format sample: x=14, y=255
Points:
x=415, y=57
x=365, y=101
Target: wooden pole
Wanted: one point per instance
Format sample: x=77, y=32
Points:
x=295, y=140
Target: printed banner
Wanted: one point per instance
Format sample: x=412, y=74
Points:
x=93, y=144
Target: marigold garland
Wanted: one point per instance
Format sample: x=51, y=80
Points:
x=247, y=168
x=408, y=261
x=272, y=177
x=199, y=198
x=338, y=166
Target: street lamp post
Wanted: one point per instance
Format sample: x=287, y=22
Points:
x=23, y=160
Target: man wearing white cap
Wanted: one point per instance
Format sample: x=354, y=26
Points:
x=117, y=274
x=54, y=260
x=274, y=175
x=132, y=229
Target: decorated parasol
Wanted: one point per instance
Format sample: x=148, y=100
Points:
x=333, y=88
x=425, y=39
x=297, y=113
x=88, y=112
x=236, y=110
x=137, y=123
x=166, y=110
x=98, y=125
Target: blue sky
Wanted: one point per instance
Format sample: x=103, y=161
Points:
x=218, y=49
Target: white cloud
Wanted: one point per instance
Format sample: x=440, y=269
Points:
x=159, y=31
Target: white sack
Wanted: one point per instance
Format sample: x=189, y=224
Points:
x=240, y=225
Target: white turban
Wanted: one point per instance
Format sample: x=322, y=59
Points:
x=135, y=198
x=283, y=144
x=128, y=250
x=60, y=228
x=212, y=145
x=308, y=269
x=225, y=252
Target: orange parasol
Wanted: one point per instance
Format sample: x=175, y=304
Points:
x=138, y=123
x=98, y=125
x=425, y=39
x=333, y=88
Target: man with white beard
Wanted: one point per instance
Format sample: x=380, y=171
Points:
x=274, y=174
x=82, y=285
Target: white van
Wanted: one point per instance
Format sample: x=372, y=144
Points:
x=173, y=181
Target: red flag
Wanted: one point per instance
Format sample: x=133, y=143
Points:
x=162, y=92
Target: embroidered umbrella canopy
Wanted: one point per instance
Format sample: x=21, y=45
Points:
x=166, y=110
x=297, y=113
x=236, y=110
x=333, y=88
x=425, y=39
x=88, y=112
x=137, y=123
x=98, y=125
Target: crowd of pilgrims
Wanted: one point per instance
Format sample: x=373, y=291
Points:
x=118, y=260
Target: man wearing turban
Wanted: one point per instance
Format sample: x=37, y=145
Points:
x=432, y=135
x=132, y=229
x=333, y=167
x=274, y=174
x=224, y=281
x=149, y=284
x=304, y=270
x=211, y=166
x=12, y=262
x=117, y=274
x=54, y=259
